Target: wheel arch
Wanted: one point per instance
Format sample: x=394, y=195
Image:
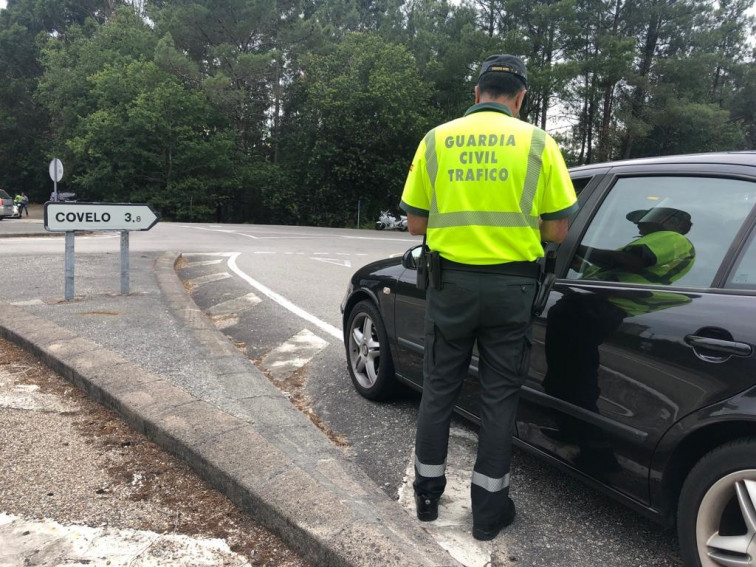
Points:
x=687, y=453
x=357, y=295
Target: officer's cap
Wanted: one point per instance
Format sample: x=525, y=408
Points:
x=505, y=64
x=666, y=217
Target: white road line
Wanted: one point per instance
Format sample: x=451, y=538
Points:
x=292, y=355
x=209, y=278
x=375, y=238
x=282, y=301
x=236, y=305
x=203, y=263
x=222, y=322
x=334, y=261
x=28, y=302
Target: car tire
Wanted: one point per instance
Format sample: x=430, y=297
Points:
x=368, y=353
x=716, y=517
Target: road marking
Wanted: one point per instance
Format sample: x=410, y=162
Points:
x=283, y=361
x=334, y=261
x=28, y=302
x=282, y=301
x=209, y=278
x=236, y=305
x=453, y=529
x=203, y=263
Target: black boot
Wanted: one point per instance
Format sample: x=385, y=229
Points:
x=427, y=508
x=486, y=533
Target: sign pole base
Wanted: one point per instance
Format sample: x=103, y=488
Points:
x=124, y=262
x=69, y=292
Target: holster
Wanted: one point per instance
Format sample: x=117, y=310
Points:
x=428, y=269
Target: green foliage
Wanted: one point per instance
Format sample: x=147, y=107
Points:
x=290, y=111
x=364, y=110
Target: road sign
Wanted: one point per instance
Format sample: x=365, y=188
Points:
x=56, y=170
x=66, y=217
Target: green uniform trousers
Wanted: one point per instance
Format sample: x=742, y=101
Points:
x=494, y=310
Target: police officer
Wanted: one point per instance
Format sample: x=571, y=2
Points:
x=487, y=190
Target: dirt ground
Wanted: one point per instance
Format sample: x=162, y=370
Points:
x=75, y=462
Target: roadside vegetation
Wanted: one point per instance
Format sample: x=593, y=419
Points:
x=293, y=111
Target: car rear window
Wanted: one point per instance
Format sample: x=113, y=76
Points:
x=4, y=195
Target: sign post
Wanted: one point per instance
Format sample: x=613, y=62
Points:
x=56, y=174
x=120, y=217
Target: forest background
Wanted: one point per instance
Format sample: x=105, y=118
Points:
x=293, y=111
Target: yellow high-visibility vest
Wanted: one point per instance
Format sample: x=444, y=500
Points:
x=483, y=181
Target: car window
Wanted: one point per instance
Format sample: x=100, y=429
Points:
x=4, y=195
x=579, y=183
x=744, y=274
x=663, y=230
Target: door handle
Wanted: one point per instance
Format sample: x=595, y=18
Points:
x=726, y=347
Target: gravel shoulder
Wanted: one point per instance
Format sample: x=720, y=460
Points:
x=68, y=460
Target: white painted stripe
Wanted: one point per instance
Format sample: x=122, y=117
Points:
x=224, y=321
x=28, y=302
x=209, y=278
x=282, y=301
x=283, y=361
x=203, y=263
x=334, y=261
x=235, y=305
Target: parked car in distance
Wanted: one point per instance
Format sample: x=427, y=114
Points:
x=642, y=382
x=6, y=205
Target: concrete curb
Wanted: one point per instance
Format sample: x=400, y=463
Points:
x=277, y=466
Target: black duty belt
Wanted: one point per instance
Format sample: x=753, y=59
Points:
x=524, y=269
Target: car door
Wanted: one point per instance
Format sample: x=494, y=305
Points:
x=618, y=359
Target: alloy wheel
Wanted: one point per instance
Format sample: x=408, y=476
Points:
x=364, y=350
x=726, y=522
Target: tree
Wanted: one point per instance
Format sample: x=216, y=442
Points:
x=132, y=131
x=360, y=114
x=25, y=130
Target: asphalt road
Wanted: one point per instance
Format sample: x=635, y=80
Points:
x=298, y=276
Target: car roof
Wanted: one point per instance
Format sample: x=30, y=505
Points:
x=734, y=158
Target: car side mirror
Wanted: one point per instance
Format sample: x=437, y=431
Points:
x=409, y=259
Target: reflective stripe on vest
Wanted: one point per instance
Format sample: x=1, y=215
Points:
x=507, y=219
x=490, y=484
